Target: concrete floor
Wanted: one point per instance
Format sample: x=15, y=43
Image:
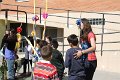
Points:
x=99, y=75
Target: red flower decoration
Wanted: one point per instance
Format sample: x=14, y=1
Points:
x=19, y=29
x=35, y=18
x=45, y=15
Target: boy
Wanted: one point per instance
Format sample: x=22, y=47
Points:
x=43, y=69
x=57, y=59
x=37, y=48
x=75, y=66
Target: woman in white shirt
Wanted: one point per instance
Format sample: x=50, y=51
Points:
x=28, y=55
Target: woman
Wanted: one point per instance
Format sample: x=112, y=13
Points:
x=10, y=54
x=88, y=45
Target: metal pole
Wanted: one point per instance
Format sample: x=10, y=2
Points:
x=63, y=43
x=68, y=18
x=102, y=35
x=26, y=25
x=40, y=15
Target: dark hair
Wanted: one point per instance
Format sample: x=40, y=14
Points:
x=46, y=51
x=55, y=44
x=73, y=39
x=49, y=38
x=38, y=41
x=87, y=28
x=31, y=40
x=13, y=31
x=43, y=43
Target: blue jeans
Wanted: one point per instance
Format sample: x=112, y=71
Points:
x=10, y=67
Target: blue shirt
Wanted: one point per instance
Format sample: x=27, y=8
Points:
x=75, y=66
x=9, y=54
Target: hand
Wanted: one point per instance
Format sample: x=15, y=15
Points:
x=16, y=56
x=78, y=54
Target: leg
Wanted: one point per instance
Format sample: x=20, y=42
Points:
x=25, y=65
x=10, y=66
x=90, y=71
x=15, y=66
x=30, y=63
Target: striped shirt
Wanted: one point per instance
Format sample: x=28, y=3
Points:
x=44, y=70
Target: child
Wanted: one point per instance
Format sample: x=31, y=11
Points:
x=43, y=69
x=39, y=45
x=28, y=54
x=48, y=39
x=57, y=59
x=75, y=66
x=37, y=48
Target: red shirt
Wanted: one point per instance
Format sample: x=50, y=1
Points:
x=91, y=56
x=44, y=70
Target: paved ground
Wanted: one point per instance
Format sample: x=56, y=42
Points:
x=99, y=75
x=103, y=75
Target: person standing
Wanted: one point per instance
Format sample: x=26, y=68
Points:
x=57, y=59
x=28, y=55
x=10, y=54
x=43, y=69
x=88, y=45
x=75, y=67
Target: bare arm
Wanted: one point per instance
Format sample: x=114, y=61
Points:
x=92, y=48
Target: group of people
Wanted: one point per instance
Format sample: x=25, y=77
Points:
x=8, y=44
x=49, y=64
x=80, y=59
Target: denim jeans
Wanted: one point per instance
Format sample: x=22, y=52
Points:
x=10, y=67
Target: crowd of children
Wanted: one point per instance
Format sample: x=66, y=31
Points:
x=48, y=62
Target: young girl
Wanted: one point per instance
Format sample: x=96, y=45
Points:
x=88, y=45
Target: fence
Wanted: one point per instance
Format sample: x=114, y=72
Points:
x=68, y=17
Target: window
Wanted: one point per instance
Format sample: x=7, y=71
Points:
x=22, y=0
x=97, y=21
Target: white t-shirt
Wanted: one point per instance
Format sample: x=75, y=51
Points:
x=28, y=49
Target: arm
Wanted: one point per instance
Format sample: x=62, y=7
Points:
x=92, y=48
x=67, y=60
x=62, y=60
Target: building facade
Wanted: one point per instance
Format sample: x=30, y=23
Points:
x=61, y=22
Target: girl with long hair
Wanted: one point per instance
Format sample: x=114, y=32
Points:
x=88, y=45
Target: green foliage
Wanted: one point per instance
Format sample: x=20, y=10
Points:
x=3, y=67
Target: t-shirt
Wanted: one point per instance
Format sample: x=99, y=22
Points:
x=86, y=45
x=28, y=50
x=44, y=70
x=57, y=61
x=75, y=66
x=91, y=56
x=10, y=47
x=11, y=42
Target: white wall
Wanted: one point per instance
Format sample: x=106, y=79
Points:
x=110, y=60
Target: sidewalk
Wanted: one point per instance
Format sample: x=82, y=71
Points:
x=99, y=75
x=103, y=75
